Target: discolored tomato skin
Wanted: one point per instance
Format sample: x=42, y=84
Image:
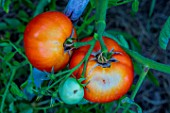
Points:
x=43, y=40
x=105, y=84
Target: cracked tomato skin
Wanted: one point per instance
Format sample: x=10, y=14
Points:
x=105, y=84
x=43, y=40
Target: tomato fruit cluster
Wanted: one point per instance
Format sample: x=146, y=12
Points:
x=44, y=37
x=105, y=84
x=44, y=43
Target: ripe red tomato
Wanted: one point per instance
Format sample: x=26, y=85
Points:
x=105, y=84
x=43, y=40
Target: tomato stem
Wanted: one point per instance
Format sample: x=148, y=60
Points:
x=84, y=24
x=73, y=69
x=139, y=83
x=47, y=107
x=79, y=44
x=87, y=20
x=87, y=57
x=100, y=25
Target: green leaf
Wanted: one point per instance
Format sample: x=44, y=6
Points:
x=3, y=26
x=25, y=108
x=132, y=40
x=150, y=63
x=118, y=2
x=53, y=5
x=3, y=44
x=113, y=2
x=107, y=34
x=135, y=6
x=15, y=63
x=137, y=67
x=132, y=87
x=23, y=16
x=123, y=41
x=16, y=91
x=5, y=4
x=153, y=79
x=28, y=3
x=129, y=101
x=92, y=2
x=7, y=35
x=108, y=107
x=12, y=108
x=164, y=36
x=23, y=85
x=10, y=98
x=40, y=7
x=152, y=7
x=13, y=22
x=21, y=28
x=9, y=56
x=7, y=49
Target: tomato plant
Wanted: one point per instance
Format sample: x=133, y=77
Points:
x=108, y=80
x=103, y=69
x=71, y=92
x=44, y=37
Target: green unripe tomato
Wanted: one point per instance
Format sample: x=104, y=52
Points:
x=71, y=92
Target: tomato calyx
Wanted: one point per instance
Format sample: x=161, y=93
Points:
x=69, y=43
x=105, y=61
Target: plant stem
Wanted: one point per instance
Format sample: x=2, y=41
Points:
x=18, y=50
x=76, y=67
x=85, y=23
x=139, y=83
x=86, y=20
x=47, y=107
x=56, y=82
x=69, y=73
x=93, y=41
x=88, y=12
x=62, y=73
x=101, y=8
x=87, y=57
x=117, y=108
x=6, y=89
x=123, y=2
x=79, y=44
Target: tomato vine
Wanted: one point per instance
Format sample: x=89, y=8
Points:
x=99, y=20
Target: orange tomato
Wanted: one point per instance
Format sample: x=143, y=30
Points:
x=105, y=84
x=44, y=37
